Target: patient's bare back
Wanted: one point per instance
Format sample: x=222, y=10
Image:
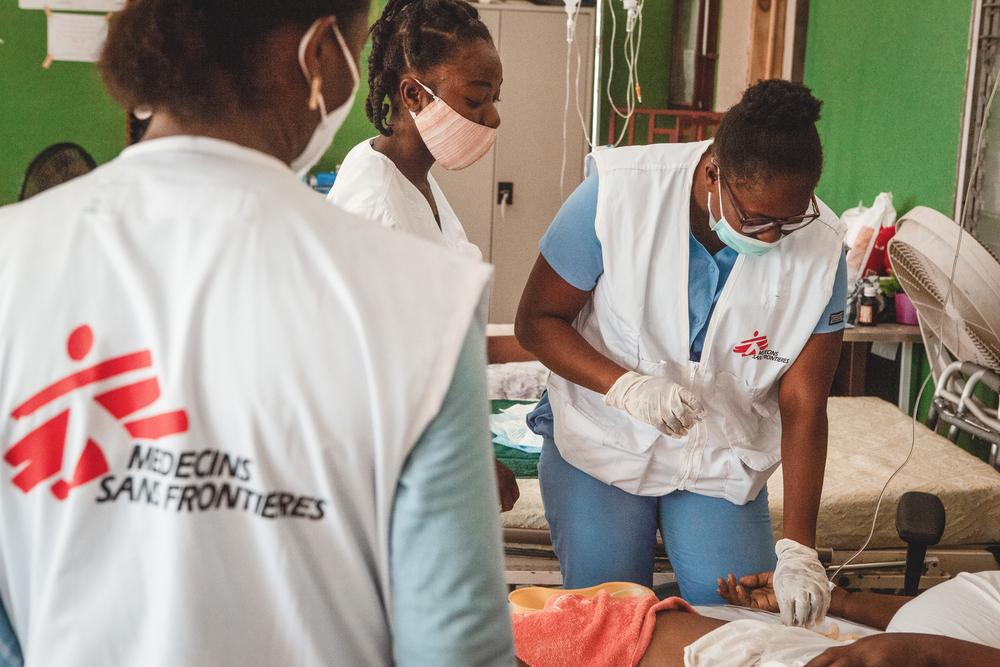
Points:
x=673, y=632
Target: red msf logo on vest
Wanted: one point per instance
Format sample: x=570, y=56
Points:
x=751, y=347
x=40, y=452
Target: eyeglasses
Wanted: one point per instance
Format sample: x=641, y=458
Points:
x=786, y=226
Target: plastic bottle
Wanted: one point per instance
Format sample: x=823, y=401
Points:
x=869, y=306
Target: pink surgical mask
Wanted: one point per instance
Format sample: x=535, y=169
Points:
x=455, y=141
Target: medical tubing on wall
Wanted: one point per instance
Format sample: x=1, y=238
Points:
x=632, y=8
x=635, y=58
x=590, y=139
x=565, y=124
x=611, y=74
x=572, y=8
x=633, y=39
x=611, y=57
x=944, y=307
x=591, y=145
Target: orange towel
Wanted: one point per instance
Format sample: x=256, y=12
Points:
x=576, y=631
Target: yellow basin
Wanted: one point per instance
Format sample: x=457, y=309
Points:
x=533, y=598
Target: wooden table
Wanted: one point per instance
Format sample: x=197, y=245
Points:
x=854, y=358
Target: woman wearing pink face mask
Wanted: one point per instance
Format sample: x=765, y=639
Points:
x=434, y=77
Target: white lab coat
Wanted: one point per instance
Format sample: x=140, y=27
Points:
x=638, y=317
x=223, y=495
x=370, y=185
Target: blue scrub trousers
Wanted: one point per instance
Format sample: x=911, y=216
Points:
x=601, y=533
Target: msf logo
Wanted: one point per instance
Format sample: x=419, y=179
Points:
x=39, y=455
x=752, y=347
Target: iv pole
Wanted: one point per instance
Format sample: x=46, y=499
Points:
x=595, y=113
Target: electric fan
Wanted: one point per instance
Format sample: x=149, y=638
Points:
x=954, y=283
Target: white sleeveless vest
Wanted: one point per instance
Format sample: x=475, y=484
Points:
x=211, y=380
x=638, y=317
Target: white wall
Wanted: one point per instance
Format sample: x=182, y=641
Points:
x=988, y=228
x=786, y=60
x=734, y=52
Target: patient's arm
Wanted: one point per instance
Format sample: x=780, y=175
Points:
x=871, y=609
x=757, y=592
x=909, y=649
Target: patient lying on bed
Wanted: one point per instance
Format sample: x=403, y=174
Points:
x=954, y=623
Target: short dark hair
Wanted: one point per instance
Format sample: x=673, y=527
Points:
x=54, y=166
x=771, y=132
x=414, y=34
x=173, y=54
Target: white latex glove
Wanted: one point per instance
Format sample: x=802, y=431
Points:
x=657, y=401
x=800, y=584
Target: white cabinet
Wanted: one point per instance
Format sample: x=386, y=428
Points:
x=532, y=44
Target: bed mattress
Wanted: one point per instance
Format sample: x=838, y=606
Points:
x=869, y=438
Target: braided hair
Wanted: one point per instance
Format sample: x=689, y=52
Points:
x=770, y=132
x=414, y=35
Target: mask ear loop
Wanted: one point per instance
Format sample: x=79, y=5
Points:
x=316, y=100
x=434, y=98
x=315, y=96
x=351, y=65
x=429, y=91
x=718, y=180
x=712, y=225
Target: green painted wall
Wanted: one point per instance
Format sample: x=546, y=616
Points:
x=891, y=75
x=41, y=107
x=654, y=58
x=67, y=103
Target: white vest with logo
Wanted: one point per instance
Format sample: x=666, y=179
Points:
x=210, y=380
x=638, y=317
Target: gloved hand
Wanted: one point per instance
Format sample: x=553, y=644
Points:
x=800, y=584
x=657, y=401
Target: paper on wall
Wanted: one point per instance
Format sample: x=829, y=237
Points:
x=76, y=37
x=74, y=5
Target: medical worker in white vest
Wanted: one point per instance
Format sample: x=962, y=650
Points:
x=434, y=68
x=689, y=300
x=233, y=431
x=434, y=79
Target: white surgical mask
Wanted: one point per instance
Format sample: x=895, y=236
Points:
x=744, y=245
x=329, y=123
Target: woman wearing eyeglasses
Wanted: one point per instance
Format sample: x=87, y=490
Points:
x=689, y=300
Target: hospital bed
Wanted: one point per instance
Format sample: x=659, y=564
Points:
x=869, y=438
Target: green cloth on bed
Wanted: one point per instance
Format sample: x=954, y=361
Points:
x=522, y=464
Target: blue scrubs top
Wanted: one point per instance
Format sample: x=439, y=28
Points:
x=572, y=249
